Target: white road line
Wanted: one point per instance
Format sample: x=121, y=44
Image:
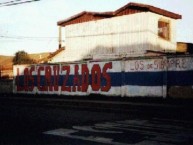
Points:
x=153, y=133
x=90, y=129
x=115, y=126
x=68, y=134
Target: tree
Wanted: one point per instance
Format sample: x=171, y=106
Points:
x=22, y=57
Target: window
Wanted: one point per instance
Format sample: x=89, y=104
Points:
x=164, y=29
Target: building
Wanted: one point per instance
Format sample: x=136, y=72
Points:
x=184, y=48
x=131, y=30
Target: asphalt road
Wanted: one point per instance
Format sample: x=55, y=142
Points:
x=33, y=122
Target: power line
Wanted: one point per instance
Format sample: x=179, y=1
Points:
x=16, y=2
x=27, y=37
x=3, y=3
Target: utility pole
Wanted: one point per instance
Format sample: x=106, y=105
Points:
x=0, y=71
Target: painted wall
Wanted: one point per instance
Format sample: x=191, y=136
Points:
x=144, y=76
x=154, y=41
x=129, y=35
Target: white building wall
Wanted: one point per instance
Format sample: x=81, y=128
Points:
x=128, y=35
x=58, y=58
x=119, y=35
x=155, y=42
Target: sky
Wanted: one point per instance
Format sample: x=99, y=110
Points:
x=32, y=27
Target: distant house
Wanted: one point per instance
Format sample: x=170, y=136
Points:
x=132, y=30
x=6, y=63
x=184, y=48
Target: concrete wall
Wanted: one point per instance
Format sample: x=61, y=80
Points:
x=6, y=86
x=129, y=35
x=133, y=77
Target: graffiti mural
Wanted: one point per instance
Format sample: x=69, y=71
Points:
x=132, y=77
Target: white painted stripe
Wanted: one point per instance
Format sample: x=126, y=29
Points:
x=141, y=130
x=91, y=129
x=143, y=91
x=160, y=134
x=68, y=133
x=114, y=91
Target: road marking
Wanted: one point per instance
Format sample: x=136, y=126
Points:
x=69, y=134
x=99, y=130
x=61, y=131
x=114, y=133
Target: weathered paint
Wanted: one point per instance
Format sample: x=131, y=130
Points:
x=130, y=35
x=143, y=76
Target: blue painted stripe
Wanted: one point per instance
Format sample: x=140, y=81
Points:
x=180, y=78
x=144, y=78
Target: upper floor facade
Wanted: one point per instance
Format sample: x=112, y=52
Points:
x=131, y=30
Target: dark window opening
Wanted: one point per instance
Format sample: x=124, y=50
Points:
x=164, y=30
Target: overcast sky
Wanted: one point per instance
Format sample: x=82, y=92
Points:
x=32, y=27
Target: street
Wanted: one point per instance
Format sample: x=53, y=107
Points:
x=34, y=124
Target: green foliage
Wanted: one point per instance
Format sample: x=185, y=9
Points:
x=22, y=57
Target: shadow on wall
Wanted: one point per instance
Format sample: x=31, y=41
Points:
x=135, y=50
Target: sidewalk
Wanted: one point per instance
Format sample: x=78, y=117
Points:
x=102, y=103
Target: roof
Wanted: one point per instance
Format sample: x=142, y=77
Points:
x=132, y=7
x=95, y=15
x=54, y=54
x=150, y=8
